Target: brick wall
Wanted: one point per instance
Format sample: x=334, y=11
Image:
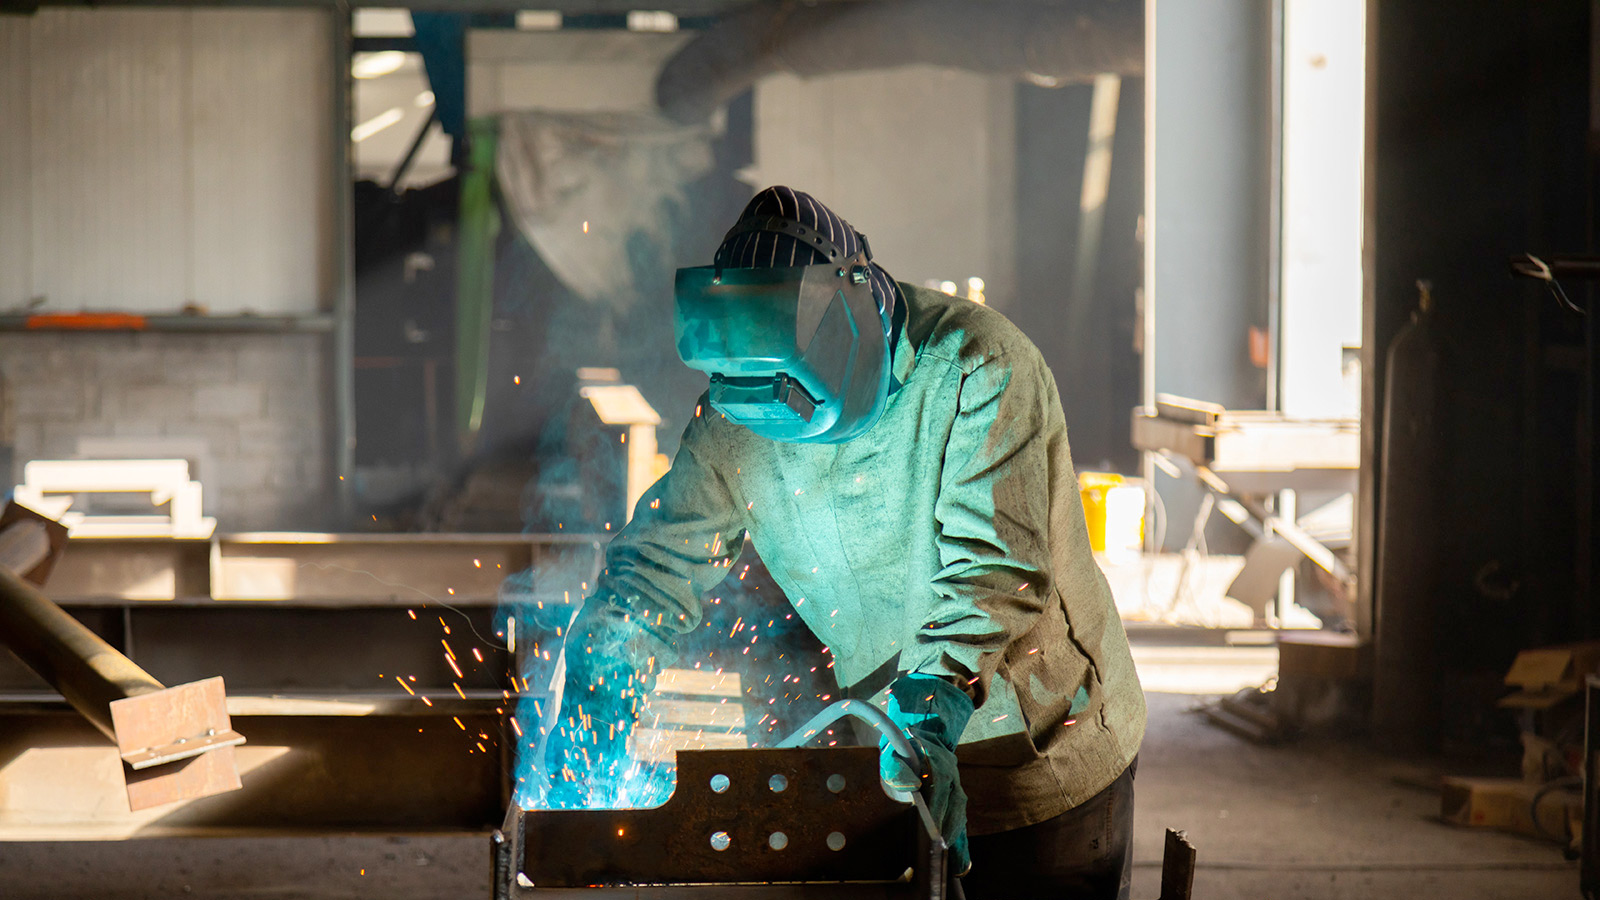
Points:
x=249, y=410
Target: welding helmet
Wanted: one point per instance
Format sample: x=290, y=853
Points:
x=795, y=353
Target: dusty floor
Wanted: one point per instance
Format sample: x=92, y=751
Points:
x=1307, y=821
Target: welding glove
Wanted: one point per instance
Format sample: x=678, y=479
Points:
x=932, y=712
x=612, y=660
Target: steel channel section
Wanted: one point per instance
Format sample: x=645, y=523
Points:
x=300, y=625
x=299, y=774
x=831, y=831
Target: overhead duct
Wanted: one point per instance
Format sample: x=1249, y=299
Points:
x=1047, y=42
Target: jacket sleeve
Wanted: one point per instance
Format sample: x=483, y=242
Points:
x=993, y=516
x=686, y=532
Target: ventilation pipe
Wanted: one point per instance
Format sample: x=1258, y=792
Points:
x=1049, y=43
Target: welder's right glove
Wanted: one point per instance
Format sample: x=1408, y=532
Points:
x=612, y=660
x=932, y=712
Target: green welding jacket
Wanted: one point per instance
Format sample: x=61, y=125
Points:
x=949, y=540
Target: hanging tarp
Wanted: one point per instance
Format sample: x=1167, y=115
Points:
x=586, y=189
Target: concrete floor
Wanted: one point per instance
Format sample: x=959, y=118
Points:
x=1314, y=821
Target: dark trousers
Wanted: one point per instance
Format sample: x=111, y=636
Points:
x=1086, y=852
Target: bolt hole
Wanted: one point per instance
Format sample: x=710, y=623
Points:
x=836, y=783
x=778, y=840
x=778, y=783
x=720, y=841
x=719, y=783
x=836, y=841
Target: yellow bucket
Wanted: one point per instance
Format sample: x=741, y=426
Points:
x=1113, y=508
x=1095, y=486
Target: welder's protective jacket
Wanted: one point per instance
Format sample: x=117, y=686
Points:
x=948, y=540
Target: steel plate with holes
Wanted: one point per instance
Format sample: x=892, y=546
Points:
x=736, y=817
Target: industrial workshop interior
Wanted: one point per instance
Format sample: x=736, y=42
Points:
x=743, y=449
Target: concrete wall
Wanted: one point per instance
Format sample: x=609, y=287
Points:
x=246, y=410
x=921, y=160
x=565, y=71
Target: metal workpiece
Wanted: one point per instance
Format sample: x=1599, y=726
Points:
x=740, y=824
x=177, y=742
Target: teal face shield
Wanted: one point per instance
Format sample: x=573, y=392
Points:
x=796, y=354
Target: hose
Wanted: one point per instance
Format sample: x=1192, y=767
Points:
x=866, y=712
x=1571, y=781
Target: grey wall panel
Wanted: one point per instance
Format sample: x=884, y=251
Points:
x=109, y=121
x=262, y=198
x=175, y=157
x=1208, y=252
x=1210, y=247
x=16, y=243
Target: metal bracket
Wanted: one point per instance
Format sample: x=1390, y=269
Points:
x=177, y=743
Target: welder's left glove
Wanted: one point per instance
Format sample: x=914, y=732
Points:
x=612, y=660
x=932, y=712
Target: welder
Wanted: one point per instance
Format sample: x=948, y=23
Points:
x=899, y=459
